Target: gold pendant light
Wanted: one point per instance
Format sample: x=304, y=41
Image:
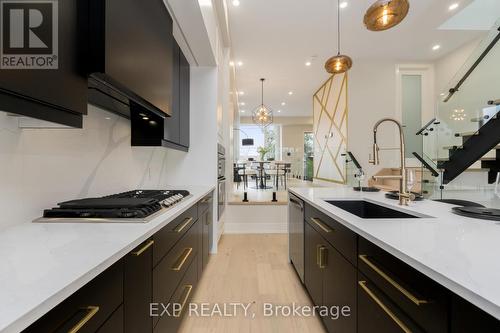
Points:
x=262, y=115
x=385, y=14
x=340, y=63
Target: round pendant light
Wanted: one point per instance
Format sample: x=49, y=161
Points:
x=262, y=115
x=340, y=63
x=385, y=14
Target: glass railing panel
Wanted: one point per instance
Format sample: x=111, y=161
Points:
x=464, y=111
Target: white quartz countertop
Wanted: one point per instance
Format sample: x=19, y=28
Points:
x=43, y=264
x=460, y=253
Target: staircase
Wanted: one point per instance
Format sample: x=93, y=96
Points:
x=475, y=146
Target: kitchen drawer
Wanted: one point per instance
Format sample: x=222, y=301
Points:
x=340, y=237
x=182, y=295
x=169, y=272
x=115, y=323
x=205, y=203
x=421, y=298
x=377, y=313
x=89, y=307
x=172, y=232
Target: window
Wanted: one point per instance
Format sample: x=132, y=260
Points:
x=268, y=138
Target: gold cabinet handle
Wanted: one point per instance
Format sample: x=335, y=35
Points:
x=323, y=257
x=396, y=285
x=391, y=314
x=207, y=200
x=187, y=291
x=91, y=312
x=183, y=225
x=144, y=248
x=321, y=225
x=182, y=259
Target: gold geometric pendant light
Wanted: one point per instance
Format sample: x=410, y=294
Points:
x=262, y=115
x=340, y=63
x=385, y=14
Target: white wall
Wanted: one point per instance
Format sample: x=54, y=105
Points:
x=41, y=167
x=372, y=96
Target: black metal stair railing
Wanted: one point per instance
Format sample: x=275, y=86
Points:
x=475, y=146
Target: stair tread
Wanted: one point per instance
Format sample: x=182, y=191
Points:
x=451, y=147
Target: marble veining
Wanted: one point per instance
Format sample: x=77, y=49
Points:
x=458, y=252
x=41, y=167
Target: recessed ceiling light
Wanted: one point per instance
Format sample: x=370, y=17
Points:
x=240, y=63
x=205, y=3
x=145, y=118
x=236, y=3
x=242, y=103
x=436, y=47
x=283, y=103
x=343, y=4
x=279, y=111
x=231, y=63
x=242, y=111
x=453, y=6
x=290, y=93
x=241, y=93
x=308, y=63
x=442, y=94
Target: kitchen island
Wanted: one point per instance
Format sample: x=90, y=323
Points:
x=450, y=252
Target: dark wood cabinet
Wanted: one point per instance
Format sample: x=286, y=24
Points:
x=339, y=291
x=56, y=95
x=171, y=132
x=466, y=318
x=313, y=275
x=184, y=99
x=331, y=281
x=377, y=313
x=206, y=219
x=176, y=130
x=138, y=286
x=163, y=269
x=90, y=307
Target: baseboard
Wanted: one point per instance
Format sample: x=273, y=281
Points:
x=255, y=228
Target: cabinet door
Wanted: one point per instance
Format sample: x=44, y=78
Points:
x=138, y=288
x=57, y=95
x=184, y=93
x=376, y=313
x=205, y=246
x=313, y=275
x=339, y=291
x=172, y=124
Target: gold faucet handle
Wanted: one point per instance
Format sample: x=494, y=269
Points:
x=409, y=196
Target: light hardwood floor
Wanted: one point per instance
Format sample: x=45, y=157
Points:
x=251, y=268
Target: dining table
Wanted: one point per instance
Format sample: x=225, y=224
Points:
x=262, y=186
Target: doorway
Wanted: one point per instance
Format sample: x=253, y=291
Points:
x=308, y=156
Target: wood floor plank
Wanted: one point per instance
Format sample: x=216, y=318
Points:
x=251, y=269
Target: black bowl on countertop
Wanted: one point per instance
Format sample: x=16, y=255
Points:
x=366, y=189
x=394, y=195
x=478, y=213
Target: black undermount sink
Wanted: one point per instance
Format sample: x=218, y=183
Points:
x=369, y=210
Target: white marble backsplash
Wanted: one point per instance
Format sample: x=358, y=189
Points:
x=40, y=167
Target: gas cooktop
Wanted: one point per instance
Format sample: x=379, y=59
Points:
x=132, y=206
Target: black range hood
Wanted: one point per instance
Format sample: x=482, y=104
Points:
x=130, y=56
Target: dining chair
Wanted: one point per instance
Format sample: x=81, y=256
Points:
x=275, y=170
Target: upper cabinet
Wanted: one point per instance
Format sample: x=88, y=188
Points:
x=149, y=129
x=42, y=71
x=130, y=56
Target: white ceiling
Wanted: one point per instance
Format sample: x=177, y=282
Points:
x=274, y=39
